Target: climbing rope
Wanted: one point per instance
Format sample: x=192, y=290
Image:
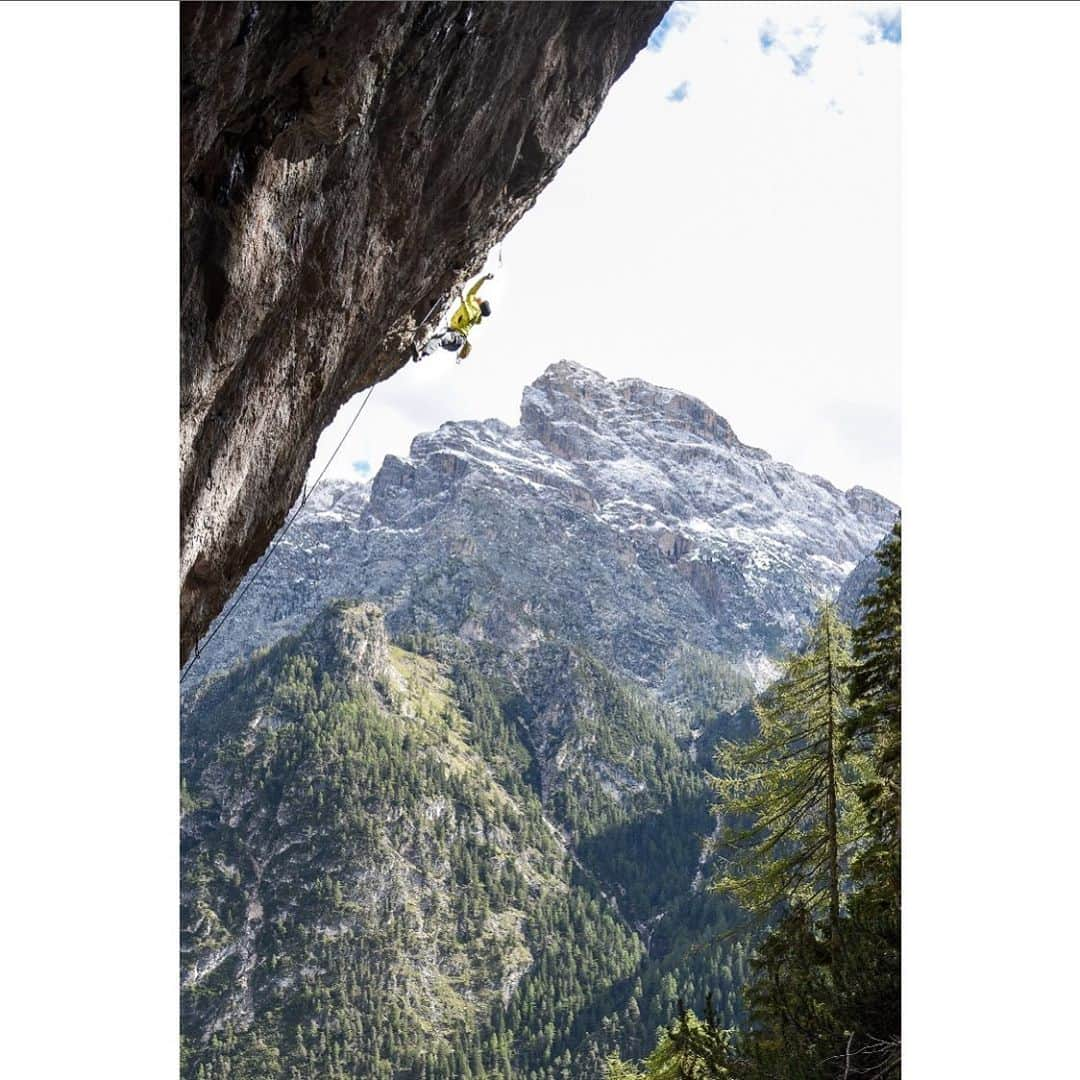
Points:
x=308, y=492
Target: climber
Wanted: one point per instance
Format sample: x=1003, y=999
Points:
x=471, y=312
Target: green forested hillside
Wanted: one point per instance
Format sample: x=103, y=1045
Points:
x=416, y=861
x=435, y=859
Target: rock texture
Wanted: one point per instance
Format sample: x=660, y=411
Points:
x=859, y=585
x=619, y=516
x=343, y=167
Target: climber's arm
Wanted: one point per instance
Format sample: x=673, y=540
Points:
x=480, y=281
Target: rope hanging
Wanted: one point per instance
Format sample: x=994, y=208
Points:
x=308, y=492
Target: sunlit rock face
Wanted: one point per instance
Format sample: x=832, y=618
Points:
x=622, y=516
x=343, y=166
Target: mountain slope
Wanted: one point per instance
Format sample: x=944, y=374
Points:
x=391, y=866
x=465, y=842
x=620, y=516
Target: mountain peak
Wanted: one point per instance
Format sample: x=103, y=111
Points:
x=619, y=513
x=569, y=369
x=351, y=637
x=576, y=412
x=564, y=382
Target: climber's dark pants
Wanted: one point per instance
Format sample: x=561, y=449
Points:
x=451, y=341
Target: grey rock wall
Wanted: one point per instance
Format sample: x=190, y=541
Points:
x=343, y=167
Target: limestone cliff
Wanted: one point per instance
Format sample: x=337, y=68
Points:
x=343, y=166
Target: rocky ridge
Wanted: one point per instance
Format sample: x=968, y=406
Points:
x=622, y=516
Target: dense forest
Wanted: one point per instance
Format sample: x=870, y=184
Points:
x=810, y=847
x=398, y=862
x=416, y=859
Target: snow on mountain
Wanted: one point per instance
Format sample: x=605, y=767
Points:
x=623, y=516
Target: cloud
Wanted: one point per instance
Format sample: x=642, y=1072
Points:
x=680, y=92
x=803, y=60
x=678, y=17
x=782, y=205
x=870, y=429
x=362, y=466
x=884, y=26
x=789, y=43
x=824, y=49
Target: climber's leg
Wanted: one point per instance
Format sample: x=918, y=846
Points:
x=450, y=340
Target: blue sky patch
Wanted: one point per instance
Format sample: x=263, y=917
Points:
x=884, y=26
x=678, y=17
x=362, y=466
x=803, y=60
x=680, y=92
x=789, y=42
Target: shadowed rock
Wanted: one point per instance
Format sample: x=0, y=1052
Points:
x=343, y=167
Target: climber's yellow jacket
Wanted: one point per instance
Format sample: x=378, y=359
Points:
x=469, y=314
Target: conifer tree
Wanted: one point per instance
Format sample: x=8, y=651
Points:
x=812, y=1010
x=874, y=725
x=813, y=817
x=617, y=1069
x=688, y=1049
x=792, y=820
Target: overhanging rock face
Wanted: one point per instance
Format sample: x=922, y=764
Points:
x=343, y=167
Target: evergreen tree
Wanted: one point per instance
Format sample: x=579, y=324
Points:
x=824, y=996
x=818, y=1012
x=688, y=1049
x=875, y=721
x=791, y=819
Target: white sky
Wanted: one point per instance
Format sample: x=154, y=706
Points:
x=741, y=244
